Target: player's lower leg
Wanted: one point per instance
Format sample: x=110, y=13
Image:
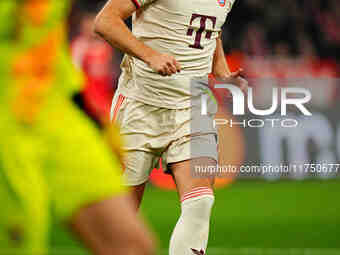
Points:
x=190, y=235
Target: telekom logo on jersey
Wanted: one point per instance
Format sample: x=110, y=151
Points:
x=204, y=24
x=198, y=35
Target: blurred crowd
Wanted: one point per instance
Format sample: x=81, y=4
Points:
x=291, y=27
x=269, y=39
x=290, y=39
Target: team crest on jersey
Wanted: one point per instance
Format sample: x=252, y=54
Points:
x=221, y=2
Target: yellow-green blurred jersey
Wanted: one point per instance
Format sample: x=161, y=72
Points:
x=7, y=23
x=59, y=166
x=42, y=66
x=24, y=215
x=53, y=161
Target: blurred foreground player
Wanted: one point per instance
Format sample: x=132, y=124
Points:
x=53, y=163
x=172, y=44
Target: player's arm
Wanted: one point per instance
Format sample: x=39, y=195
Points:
x=112, y=227
x=220, y=68
x=109, y=24
x=220, y=65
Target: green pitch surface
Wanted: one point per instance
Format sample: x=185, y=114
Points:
x=258, y=217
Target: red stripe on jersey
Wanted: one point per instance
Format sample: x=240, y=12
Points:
x=117, y=106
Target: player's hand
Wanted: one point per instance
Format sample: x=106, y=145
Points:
x=237, y=79
x=164, y=64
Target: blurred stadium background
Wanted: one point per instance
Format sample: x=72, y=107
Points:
x=262, y=214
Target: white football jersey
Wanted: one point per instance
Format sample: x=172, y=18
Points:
x=185, y=29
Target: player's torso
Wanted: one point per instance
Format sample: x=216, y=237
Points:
x=186, y=29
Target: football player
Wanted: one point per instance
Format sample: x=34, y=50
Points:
x=173, y=46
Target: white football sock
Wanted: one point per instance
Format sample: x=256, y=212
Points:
x=190, y=235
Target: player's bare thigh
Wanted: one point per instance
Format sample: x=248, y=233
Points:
x=185, y=180
x=137, y=193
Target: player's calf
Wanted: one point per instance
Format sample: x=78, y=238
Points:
x=190, y=235
x=192, y=230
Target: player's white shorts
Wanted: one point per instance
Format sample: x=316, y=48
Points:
x=151, y=133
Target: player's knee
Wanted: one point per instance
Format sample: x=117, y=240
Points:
x=198, y=207
x=205, y=205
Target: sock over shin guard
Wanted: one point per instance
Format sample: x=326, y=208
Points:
x=190, y=235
